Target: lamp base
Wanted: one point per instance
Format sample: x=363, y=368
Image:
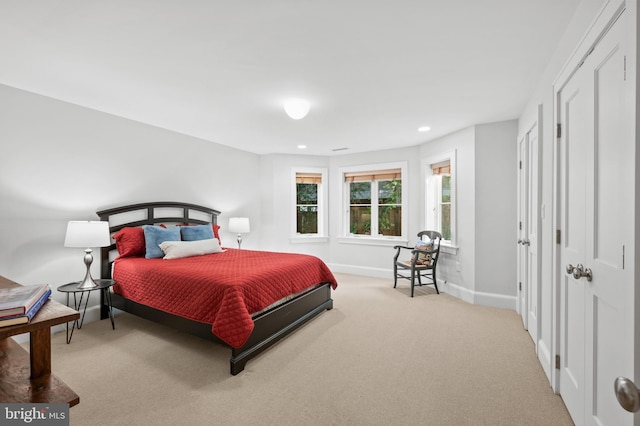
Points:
x=239, y=240
x=88, y=282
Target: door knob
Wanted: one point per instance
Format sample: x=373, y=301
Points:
x=570, y=269
x=519, y=241
x=627, y=394
x=526, y=242
x=579, y=271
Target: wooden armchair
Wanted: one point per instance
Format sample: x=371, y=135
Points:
x=423, y=261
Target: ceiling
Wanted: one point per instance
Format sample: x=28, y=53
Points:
x=373, y=71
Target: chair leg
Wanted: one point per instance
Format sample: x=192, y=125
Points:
x=395, y=274
x=435, y=283
x=413, y=280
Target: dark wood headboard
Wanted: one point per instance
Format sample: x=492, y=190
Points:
x=153, y=213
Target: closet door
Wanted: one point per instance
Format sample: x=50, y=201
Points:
x=596, y=215
x=528, y=225
x=531, y=242
x=523, y=267
x=574, y=102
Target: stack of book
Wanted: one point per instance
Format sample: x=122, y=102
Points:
x=19, y=304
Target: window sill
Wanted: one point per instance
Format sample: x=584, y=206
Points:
x=449, y=249
x=308, y=239
x=373, y=241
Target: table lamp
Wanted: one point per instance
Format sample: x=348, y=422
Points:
x=87, y=234
x=239, y=225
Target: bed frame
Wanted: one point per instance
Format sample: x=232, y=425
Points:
x=269, y=326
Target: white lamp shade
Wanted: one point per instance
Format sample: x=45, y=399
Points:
x=87, y=234
x=296, y=108
x=239, y=225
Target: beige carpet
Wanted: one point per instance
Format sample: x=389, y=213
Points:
x=378, y=358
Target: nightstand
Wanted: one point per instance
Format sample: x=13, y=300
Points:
x=104, y=286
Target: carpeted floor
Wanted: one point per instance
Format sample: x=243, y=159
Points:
x=378, y=358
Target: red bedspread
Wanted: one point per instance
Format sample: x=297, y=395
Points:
x=221, y=289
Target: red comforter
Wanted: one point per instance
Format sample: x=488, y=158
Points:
x=221, y=289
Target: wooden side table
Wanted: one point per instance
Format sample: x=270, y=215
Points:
x=104, y=286
x=26, y=376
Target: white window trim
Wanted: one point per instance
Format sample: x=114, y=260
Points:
x=450, y=246
x=323, y=202
x=346, y=237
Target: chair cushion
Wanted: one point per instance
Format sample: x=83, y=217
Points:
x=407, y=264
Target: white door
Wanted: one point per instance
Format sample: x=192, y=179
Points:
x=596, y=219
x=573, y=110
x=522, y=266
x=531, y=233
x=528, y=224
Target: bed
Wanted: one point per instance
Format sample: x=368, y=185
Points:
x=244, y=299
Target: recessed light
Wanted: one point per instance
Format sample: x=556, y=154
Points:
x=302, y=147
x=424, y=129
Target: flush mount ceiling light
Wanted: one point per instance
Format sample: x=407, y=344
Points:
x=302, y=147
x=424, y=129
x=296, y=108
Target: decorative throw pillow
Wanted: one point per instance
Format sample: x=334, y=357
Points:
x=196, y=232
x=215, y=228
x=423, y=258
x=154, y=235
x=180, y=249
x=130, y=242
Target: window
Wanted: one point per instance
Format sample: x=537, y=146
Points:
x=374, y=202
x=310, y=202
x=440, y=199
x=307, y=202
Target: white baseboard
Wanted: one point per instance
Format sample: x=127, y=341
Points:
x=361, y=270
x=544, y=356
x=462, y=293
x=478, y=297
x=455, y=290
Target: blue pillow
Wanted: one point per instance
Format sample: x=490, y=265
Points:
x=196, y=233
x=154, y=235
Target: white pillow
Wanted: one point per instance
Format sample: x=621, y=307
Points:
x=179, y=249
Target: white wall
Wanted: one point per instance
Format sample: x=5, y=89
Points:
x=277, y=198
x=369, y=259
x=62, y=162
x=496, y=208
x=458, y=269
x=276, y=192
x=484, y=268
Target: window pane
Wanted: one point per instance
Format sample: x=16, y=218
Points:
x=307, y=193
x=390, y=220
x=360, y=220
x=307, y=219
x=446, y=189
x=360, y=192
x=390, y=192
x=446, y=221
